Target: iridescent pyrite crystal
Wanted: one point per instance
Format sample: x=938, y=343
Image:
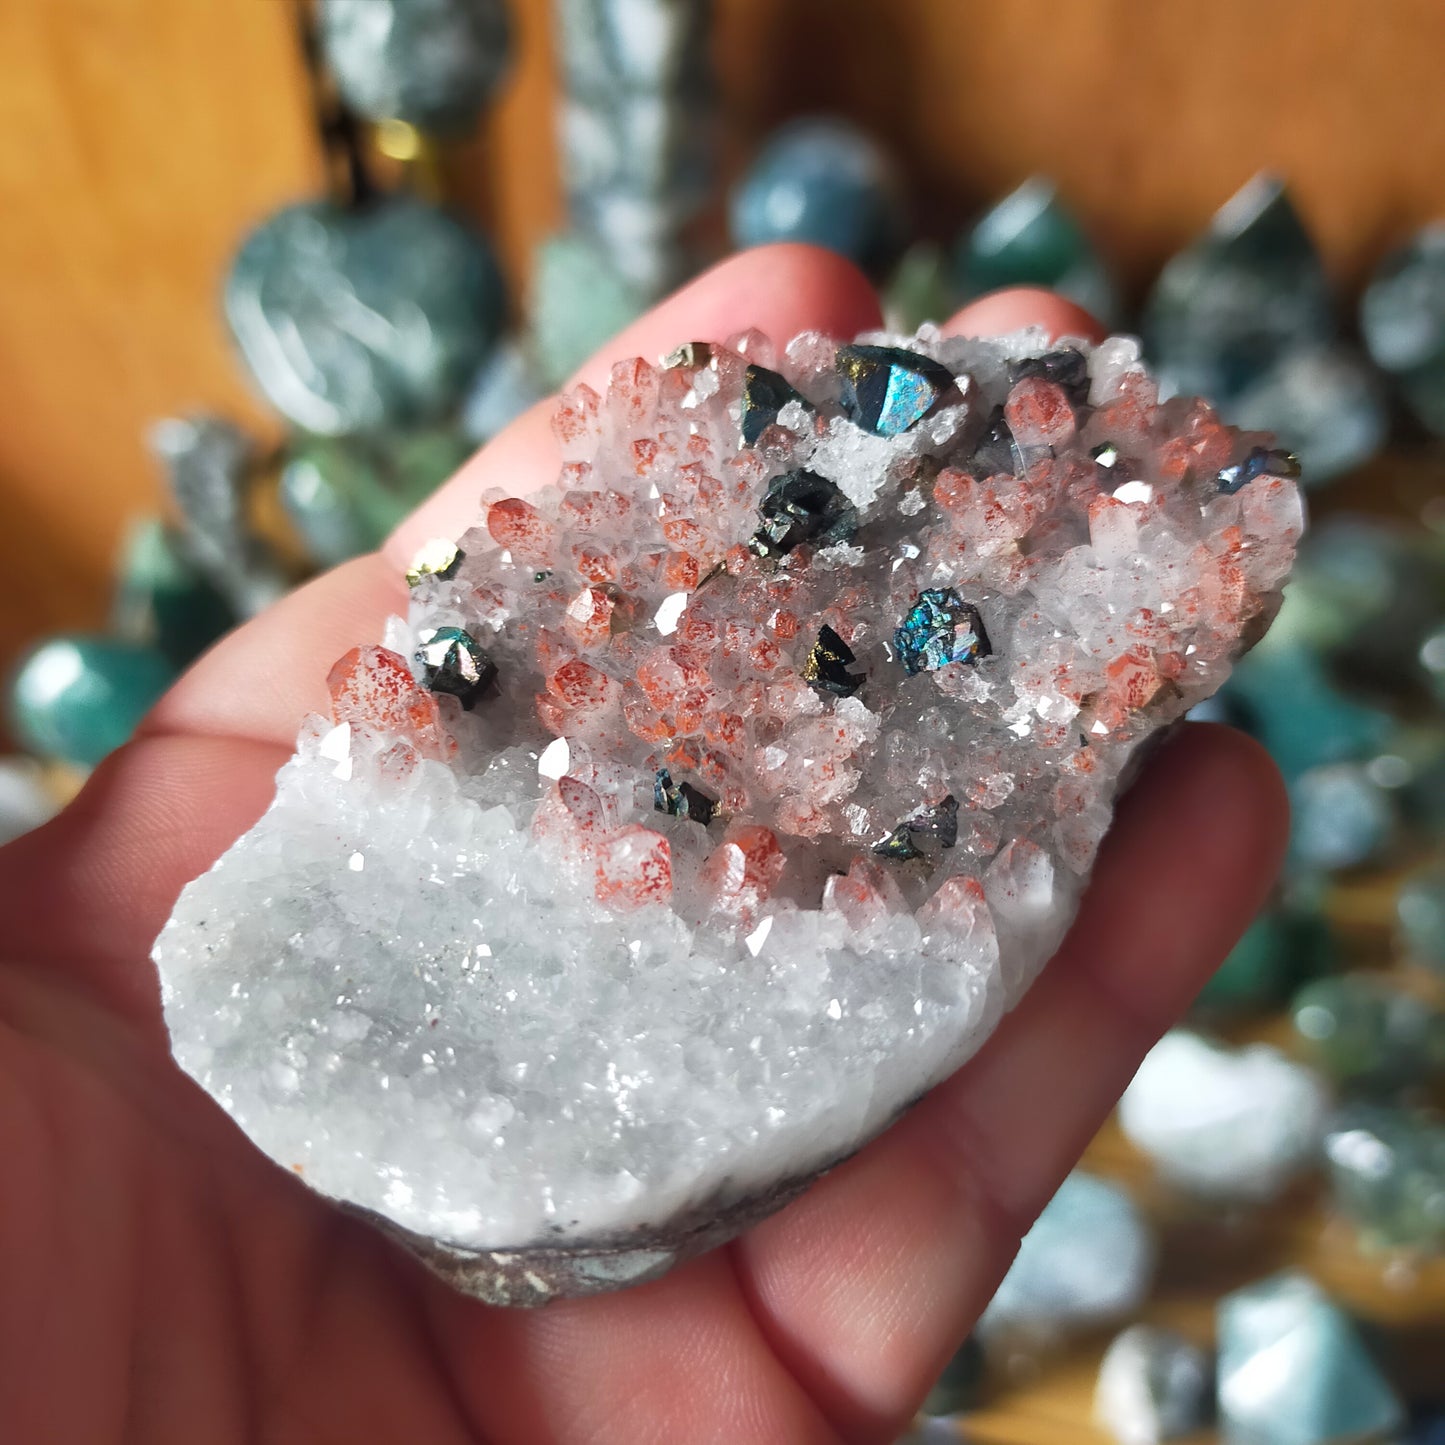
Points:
x=716, y=800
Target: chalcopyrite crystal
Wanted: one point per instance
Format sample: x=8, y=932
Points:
x=697, y=820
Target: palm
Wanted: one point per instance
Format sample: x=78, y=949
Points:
x=165, y=1282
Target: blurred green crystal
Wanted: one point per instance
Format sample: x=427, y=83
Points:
x=1232, y=304
x=355, y=319
x=1369, y=1034
x=919, y=288
x=164, y=599
x=577, y=302
x=1420, y=909
x=430, y=63
x=1283, y=695
x=1387, y=1171
x=823, y=181
x=1031, y=239
x=78, y=698
x=960, y=1386
x=345, y=494
x=1279, y=950
x=1293, y=1370
x=1324, y=403
x=1402, y=316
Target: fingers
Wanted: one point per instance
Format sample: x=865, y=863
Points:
x=869, y=1282
x=779, y=290
x=1003, y=311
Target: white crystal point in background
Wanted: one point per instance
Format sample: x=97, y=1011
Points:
x=1153, y=1385
x=713, y=802
x=1088, y=1259
x=1235, y=1124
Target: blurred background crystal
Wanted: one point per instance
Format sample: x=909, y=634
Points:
x=1293, y=1370
x=433, y=64
x=1153, y=1385
x=1087, y=1260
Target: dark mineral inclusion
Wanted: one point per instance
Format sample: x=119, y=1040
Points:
x=827, y=664
x=681, y=800
x=938, y=821
x=1261, y=462
x=940, y=628
x=765, y=394
x=887, y=390
x=451, y=661
x=801, y=507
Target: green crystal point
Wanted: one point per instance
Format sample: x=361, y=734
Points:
x=1386, y=1165
x=345, y=494
x=1227, y=307
x=163, y=599
x=1294, y=1371
x=578, y=302
x=1365, y=1031
x=78, y=698
x=1031, y=239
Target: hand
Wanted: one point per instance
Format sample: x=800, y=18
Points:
x=163, y=1282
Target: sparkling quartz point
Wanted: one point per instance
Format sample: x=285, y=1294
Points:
x=713, y=802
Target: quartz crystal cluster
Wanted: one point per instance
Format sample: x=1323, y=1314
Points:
x=714, y=801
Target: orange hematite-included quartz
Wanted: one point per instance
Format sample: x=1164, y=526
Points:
x=1039, y=413
x=743, y=871
x=372, y=687
x=519, y=526
x=634, y=868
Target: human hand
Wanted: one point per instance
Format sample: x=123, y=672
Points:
x=165, y=1282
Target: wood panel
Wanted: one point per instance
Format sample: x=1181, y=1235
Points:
x=141, y=139
x=1149, y=114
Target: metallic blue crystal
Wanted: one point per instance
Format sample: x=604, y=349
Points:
x=940, y=628
x=1261, y=462
x=887, y=390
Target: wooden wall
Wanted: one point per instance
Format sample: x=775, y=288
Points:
x=142, y=136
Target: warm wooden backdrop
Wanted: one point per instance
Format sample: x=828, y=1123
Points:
x=142, y=136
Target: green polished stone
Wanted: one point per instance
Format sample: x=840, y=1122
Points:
x=431, y=63
x=356, y=319
x=960, y=1386
x=577, y=303
x=163, y=599
x=1232, y=304
x=1278, y=951
x=1387, y=1174
x=1293, y=1370
x=1369, y=1034
x=1031, y=239
x=1365, y=594
x=1420, y=910
x=1283, y=694
x=920, y=288
x=345, y=494
x=822, y=181
x=78, y=698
